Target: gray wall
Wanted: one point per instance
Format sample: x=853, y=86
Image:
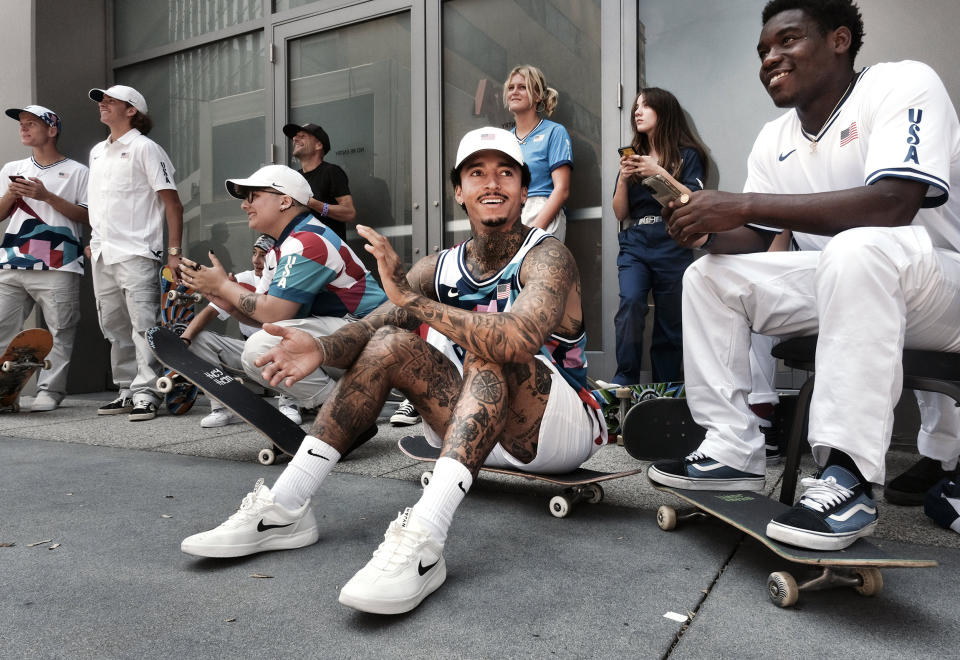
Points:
x=708, y=59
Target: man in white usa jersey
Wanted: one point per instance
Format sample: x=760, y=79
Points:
x=41, y=257
x=860, y=171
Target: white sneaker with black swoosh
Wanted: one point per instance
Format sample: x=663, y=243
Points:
x=259, y=524
x=406, y=568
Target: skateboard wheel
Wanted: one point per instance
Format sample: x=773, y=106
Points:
x=171, y=295
x=559, y=506
x=165, y=384
x=871, y=581
x=267, y=456
x=623, y=393
x=47, y=364
x=666, y=518
x=425, y=478
x=8, y=366
x=593, y=494
x=782, y=589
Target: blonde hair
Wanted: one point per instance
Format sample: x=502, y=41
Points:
x=545, y=98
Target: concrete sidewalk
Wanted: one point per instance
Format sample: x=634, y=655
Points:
x=119, y=496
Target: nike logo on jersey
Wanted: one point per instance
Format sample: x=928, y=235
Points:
x=313, y=453
x=423, y=569
x=262, y=528
x=785, y=156
x=460, y=484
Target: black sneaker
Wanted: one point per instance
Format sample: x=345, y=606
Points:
x=116, y=407
x=909, y=488
x=771, y=442
x=143, y=411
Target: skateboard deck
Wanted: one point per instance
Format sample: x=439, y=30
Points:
x=176, y=312
x=228, y=390
x=663, y=428
x=26, y=353
x=580, y=485
x=616, y=401
x=856, y=566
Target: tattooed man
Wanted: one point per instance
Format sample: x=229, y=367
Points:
x=507, y=388
x=311, y=279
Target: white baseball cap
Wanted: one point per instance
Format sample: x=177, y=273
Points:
x=121, y=93
x=488, y=137
x=48, y=116
x=278, y=177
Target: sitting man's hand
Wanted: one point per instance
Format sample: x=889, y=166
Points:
x=392, y=276
x=295, y=357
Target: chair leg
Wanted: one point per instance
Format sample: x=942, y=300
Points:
x=798, y=434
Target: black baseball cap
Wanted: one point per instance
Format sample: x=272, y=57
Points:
x=292, y=129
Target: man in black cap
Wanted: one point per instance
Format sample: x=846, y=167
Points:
x=331, y=201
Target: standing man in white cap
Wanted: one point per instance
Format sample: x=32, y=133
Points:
x=315, y=281
x=331, y=200
x=41, y=256
x=508, y=390
x=131, y=193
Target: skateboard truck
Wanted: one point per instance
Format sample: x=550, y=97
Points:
x=13, y=365
x=181, y=298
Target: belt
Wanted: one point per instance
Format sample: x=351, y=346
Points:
x=645, y=220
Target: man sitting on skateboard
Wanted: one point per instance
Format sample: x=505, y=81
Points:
x=510, y=391
x=315, y=281
x=859, y=169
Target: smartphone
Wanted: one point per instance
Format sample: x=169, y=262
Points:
x=663, y=191
x=16, y=177
x=627, y=151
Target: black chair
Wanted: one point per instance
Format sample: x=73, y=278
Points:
x=929, y=371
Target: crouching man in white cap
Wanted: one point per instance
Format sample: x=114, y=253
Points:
x=131, y=193
x=313, y=280
x=508, y=390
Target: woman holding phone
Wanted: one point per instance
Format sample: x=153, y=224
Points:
x=545, y=145
x=649, y=260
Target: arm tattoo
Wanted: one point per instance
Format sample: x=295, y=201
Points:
x=248, y=303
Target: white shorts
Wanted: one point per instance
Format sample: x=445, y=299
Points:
x=570, y=433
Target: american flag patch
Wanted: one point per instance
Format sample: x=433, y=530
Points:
x=503, y=291
x=488, y=136
x=849, y=134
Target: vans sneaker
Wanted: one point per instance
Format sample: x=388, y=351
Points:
x=406, y=568
x=118, y=406
x=909, y=488
x=143, y=411
x=406, y=415
x=288, y=407
x=700, y=472
x=833, y=512
x=45, y=402
x=258, y=525
x=219, y=417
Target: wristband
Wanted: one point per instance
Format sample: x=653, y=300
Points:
x=174, y=251
x=186, y=339
x=706, y=243
x=323, y=213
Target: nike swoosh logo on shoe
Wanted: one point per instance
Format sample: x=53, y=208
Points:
x=262, y=528
x=423, y=569
x=313, y=453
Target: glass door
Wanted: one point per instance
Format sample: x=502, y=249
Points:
x=350, y=72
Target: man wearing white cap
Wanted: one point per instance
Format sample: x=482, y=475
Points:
x=41, y=256
x=131, y=193
x=508, y=390
x=318, y=283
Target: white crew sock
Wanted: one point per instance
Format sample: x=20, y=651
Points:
x=307, y=470
x=449, y=485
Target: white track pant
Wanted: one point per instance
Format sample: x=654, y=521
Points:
x=869, y=293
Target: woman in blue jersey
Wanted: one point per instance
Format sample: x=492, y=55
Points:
x=649, y=259
x=545, y=145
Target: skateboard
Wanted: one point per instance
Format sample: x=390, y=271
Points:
x=228, y=390
x=616, y=401
x=857, y=566
x=581, y=485
x=660, y=428
x=176, y=312
x=26, y=353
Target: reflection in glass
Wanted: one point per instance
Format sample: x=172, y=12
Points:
x=482, y=42
x=354, y=81
x=143, y=24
